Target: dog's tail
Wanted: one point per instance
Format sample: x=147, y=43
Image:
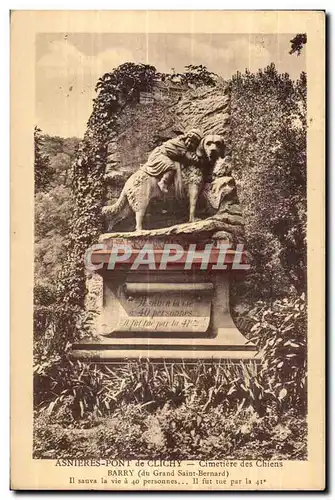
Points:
x=178, y=182
x=113, y=213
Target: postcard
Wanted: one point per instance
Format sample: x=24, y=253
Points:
x=167, y=250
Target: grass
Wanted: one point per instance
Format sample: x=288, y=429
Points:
x=184, y=432
x=147, y=411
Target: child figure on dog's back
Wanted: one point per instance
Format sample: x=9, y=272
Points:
x=165, y=160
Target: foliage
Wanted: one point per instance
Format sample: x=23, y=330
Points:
x=194, y=76
x=182, y=432
x=179, y=411
x=43, y=172
x=121, y=87
x=53, y=207
x=116, y=90
x=54, y=145
x=61, y=153
x=297, y=43
x=184, y=428
x=53, y=210
x=269, y=161
x=44, y=299
x=279, y=382
x=76, y=383
x=280, y=333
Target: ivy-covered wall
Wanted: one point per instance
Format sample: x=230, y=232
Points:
x=115, y=92
x=263, y=119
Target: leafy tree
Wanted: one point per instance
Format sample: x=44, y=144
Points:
x=297, y=43
x=61, y=166
x=199, y=75
x=117, y=89
x=61, y=153
x=52, y=145
x=52, y=215
x=43, y=172
x=269, y=157
x=288, y=223
x=194, y=76
x=70, y=146
x=53, y=207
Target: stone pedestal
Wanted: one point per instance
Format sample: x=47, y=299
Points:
x=171, y=314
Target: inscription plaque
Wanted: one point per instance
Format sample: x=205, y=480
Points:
x=164, y=312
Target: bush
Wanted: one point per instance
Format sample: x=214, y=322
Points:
x=280, y=331
x=269, y=113
x=73, y=385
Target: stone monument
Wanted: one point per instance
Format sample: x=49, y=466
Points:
x=162, y=291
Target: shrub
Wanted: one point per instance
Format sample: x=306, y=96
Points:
x=280, y=333
x=77, y=385
x=269, y=113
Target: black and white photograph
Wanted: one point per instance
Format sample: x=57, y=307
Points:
x=170, y=284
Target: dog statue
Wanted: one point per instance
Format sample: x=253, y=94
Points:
x=141, y=187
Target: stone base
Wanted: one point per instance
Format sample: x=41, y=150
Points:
x=228, y=344
x=224, y=345
x=171, y=315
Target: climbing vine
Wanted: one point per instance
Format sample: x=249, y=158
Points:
x=115, y=90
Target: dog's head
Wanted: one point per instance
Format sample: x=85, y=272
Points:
x=212, y=147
